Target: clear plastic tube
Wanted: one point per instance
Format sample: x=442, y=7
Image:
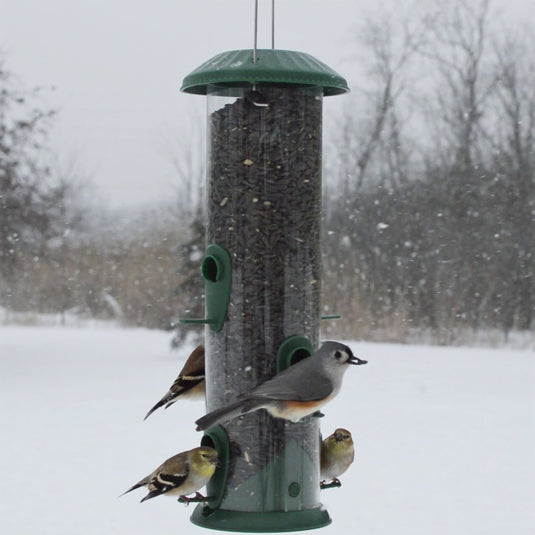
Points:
x=264, y=208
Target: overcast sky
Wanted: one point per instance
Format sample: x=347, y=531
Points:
x=117, y=66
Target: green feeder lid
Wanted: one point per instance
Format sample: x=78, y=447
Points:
x=236, y=69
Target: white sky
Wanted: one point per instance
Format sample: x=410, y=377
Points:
x=117, y=66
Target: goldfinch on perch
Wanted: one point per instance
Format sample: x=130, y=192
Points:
x=189, y=384
x=180, y=475
x=337, y=454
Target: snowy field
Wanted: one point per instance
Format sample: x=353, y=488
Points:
x=445, y=437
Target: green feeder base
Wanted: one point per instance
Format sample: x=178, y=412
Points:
x=260, y=522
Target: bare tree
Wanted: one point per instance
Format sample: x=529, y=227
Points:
x=447, y=244
x=372, y=150
x=370, y=144
x=514, y=162
x=460, y=39
x=186, y=154
x=26, y=194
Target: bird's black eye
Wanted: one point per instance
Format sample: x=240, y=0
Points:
x=337, y=355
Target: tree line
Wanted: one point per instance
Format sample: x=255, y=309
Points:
x=429, y=196
x=434, y=206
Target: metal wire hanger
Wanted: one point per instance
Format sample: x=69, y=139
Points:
x=255, y=48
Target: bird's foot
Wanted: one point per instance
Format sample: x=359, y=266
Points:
x=335, y=483
x=197, y=498
x=185, y=499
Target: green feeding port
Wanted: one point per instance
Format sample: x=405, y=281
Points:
x=216, y=269
x=293, y=350
x=217, y=438
x=262, y=278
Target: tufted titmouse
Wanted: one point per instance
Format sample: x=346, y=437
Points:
x=189, y=383
x=337, y=454
x=294, y=393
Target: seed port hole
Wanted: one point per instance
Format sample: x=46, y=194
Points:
x=208, y=442
x=299, y=354
x=211, y=268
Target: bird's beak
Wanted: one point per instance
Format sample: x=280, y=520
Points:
x=356, y=361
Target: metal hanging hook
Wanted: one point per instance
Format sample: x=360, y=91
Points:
x=273, y=24
x=255, y=97
x=255, y=29
x=255, y=48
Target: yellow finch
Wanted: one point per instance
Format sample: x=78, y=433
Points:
x=337, y=453
x=189, y=384
x=181, y=474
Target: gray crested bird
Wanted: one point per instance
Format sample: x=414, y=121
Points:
x=294, y=393
x=337, y=454
x=182, y=474
x=189, y=384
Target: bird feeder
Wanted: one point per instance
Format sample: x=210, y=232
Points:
x=262, y=272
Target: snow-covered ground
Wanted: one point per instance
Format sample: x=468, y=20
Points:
x=445, y=437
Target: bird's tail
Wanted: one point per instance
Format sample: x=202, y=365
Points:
x=160, y=403
x=224, y=414
x=144, y=481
